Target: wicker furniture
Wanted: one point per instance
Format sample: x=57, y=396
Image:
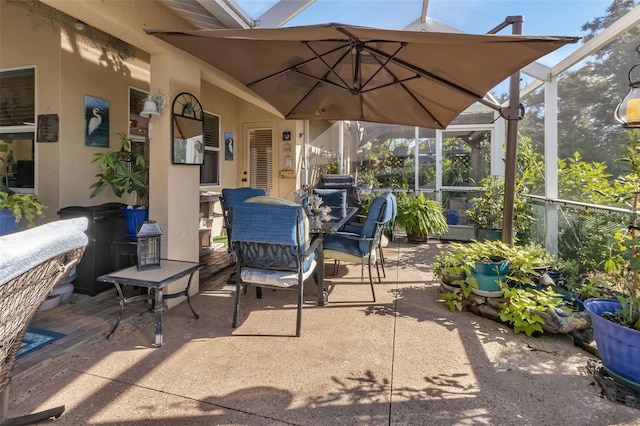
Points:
x=32, y=262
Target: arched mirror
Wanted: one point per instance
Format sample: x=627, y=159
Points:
x=187, y=127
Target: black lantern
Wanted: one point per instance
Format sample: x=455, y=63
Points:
x=149, y=235
x=628, y=111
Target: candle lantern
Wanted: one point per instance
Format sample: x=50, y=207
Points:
x=149, y=235
x=628, y=111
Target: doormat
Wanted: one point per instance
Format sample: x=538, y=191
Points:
x=35, y=338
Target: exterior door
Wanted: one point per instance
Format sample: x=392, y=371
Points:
x=258, y=162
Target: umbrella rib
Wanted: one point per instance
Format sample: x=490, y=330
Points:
x=401, y=83
x=381, y=86
x=330, y=68
x=294, y=67
x=429, y=75
x=323, y=79
x=382, y=65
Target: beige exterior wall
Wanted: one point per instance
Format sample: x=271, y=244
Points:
x=66, y=71
x=22, y=46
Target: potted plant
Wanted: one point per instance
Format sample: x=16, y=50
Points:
x=14, y=207
x=368, y=180
x=486, y=212
x=616, y=322
x=448, y=266
x=420, y=216
x=125, y=171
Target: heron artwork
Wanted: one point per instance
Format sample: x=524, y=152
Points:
x=95, y=121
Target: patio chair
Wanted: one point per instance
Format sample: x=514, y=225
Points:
x=346, y=182
x=273, y=250
x=32, y=262
x=229, y=199
x=360, y=245
x=356, y=228
x=332, y=197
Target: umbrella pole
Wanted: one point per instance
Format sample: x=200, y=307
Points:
x=513, y=115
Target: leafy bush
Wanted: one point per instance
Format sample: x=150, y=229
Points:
x=22, y=205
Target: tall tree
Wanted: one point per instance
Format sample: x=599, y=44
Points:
x=588, y=95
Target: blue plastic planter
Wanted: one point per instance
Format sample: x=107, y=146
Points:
x=8, y=222
x=619, y=346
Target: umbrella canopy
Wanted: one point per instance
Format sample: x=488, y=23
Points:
x=342, y=72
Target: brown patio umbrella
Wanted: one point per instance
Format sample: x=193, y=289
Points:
x=342, y=72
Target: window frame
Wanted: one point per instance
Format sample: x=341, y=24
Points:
x=27, y=129
x=210, y=148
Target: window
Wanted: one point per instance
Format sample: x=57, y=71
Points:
x=138, y=125
x=210, y=169
x=17, y=128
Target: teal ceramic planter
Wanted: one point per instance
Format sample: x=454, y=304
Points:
x=488, y=276
x=483, y=235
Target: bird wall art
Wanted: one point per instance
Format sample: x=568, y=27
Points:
x=96, y=122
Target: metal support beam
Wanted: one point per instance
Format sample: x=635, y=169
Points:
x=281, y=13
x=551, y=164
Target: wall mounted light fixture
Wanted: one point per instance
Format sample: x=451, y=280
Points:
x=153, y=105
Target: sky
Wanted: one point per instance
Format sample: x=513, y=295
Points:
x=541, y=17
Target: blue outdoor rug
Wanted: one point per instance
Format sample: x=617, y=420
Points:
x=35, y=338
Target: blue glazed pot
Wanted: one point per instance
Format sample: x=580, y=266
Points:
x=8, y=222
x=619, y=346
x=133, y=218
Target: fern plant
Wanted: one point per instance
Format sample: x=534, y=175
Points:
x=420, y=216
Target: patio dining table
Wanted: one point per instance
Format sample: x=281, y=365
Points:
x=338, y=217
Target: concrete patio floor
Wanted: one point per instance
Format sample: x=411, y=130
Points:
x=404, y=360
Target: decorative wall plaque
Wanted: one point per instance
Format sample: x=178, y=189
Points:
x=48, y=128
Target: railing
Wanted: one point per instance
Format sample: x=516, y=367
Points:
x=584, y=232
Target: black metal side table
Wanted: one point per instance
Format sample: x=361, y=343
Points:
x=155, y=280
x=124, y=252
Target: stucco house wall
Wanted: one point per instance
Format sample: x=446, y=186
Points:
x=67, y=70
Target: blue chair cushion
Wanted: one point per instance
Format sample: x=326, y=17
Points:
x=269, y=225
x=342, y=244
x=233, y=196
x=332, y=197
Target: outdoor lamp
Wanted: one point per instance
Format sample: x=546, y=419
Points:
x=149, y=235
x=628, y=111
x=153, y=105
